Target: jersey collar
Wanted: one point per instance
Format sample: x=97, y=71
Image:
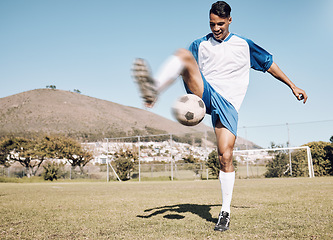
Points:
x=225, y=40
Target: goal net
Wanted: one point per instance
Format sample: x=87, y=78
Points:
x=274, y=162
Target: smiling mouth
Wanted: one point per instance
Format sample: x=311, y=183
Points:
x=218, y=35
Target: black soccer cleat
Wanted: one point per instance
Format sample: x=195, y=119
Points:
x=223, y=222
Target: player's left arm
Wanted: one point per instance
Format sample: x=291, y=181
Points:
x=276, y=72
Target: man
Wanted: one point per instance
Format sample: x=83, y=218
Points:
x=216, y=68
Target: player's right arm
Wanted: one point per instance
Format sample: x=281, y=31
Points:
x=261, y=60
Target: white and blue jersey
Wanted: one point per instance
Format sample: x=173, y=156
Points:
x=225, y=65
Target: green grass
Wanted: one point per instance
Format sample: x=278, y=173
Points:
x=289, y=208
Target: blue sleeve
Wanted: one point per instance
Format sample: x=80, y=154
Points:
x=194, y=47
x=260, y=59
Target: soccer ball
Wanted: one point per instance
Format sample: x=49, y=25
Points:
x=189, y=110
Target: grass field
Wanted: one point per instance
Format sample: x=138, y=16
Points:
x=289, y=208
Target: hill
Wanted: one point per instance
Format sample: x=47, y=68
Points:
x=52, y=111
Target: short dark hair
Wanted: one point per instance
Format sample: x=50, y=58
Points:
x=221, y=9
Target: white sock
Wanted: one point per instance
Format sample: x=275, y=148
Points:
x=227, y=181
x=169, y=72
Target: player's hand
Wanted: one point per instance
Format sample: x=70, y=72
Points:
x=300, y=94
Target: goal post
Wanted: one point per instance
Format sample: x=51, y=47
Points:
x=253, y=155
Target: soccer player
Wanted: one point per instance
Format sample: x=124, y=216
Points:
x=215, y=68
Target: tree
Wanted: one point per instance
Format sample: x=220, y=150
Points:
x=72, y=150
x=51, y=171
x=322, y=153
x=278, y=166
x=190, y=159
x=31, y=153
x=28, y=152
x=299, y=163
x=4, y=153
x=329, y=155
x=51, y=86
x=124, y=167
x=213, y=163
x=329, y=150
x=125, y=161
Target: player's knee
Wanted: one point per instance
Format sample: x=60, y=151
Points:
x=184, y=54
x=225, y=158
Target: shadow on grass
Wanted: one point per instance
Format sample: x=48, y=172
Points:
x=202, y=211
x=175, y=211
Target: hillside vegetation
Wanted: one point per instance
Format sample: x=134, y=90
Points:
x=52, y=111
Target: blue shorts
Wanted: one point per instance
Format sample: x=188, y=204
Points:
x=218, y=107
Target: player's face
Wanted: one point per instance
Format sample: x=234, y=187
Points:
x=219, y=26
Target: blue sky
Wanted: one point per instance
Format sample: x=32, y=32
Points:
x=90, y=45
